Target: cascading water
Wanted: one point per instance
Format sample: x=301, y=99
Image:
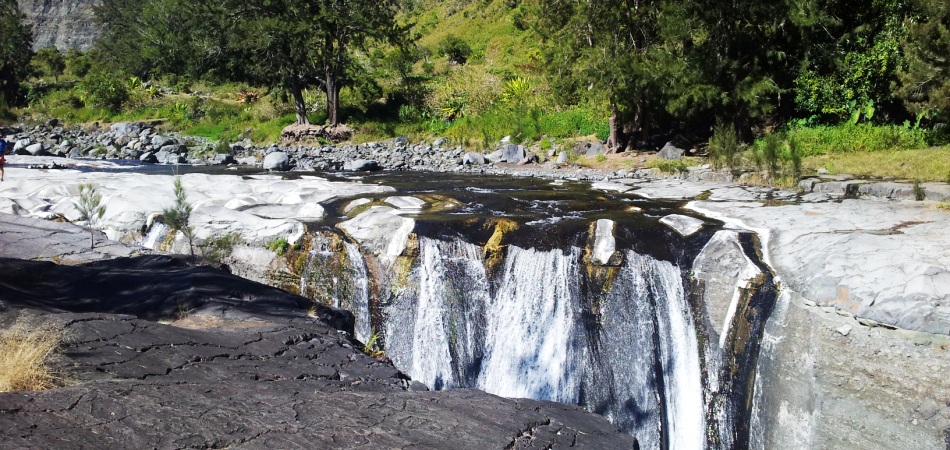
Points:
x=155, y=235
x=551, y=293
x=527, y=336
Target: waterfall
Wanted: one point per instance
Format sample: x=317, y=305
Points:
x=360, y=294
x=533, y=330
x=530, y=334
x=335, y=274
x=156, y=234
x=679, y=356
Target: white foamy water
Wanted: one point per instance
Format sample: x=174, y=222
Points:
x=155, y=235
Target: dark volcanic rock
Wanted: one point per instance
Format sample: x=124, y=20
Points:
x=239, y=365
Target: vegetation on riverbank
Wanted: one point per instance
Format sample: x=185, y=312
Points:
x=833, y=82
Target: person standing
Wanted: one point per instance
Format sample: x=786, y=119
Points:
x=3, y=160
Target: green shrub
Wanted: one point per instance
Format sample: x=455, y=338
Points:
x=724, y=146
x=217, y=249
x=455, y=49
x=862, y=137
x=102, y=89
x=279, y=246
x=669, y=166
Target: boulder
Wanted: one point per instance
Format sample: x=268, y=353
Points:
x=361, y=165
x=671, y=152
x=164, y=157
x=604, y=247
x=495, y=156
x=19, y=148
x=174, y=148
x=35, y=149
x=684, y=225
x=473, y=158
x=531, y=158
x=159, y=141
x=222, y=158
x=562, y=157
x=513, y=153
x=277, y=161
x=438, y=142
x=148, y=157
x=595, y=149
x=123, y=128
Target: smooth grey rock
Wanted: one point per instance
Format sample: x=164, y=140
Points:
x=562, y=157
x=361, y=165
x=496, y=156
x=164, y=157
x=159, y=141
x=513, y=153
x=844, y=330
x=279, y=161
x=148, y=157
x=725, y=271
x=671, y=152
x=19, y=148
x=473, y=158
x=595, y=149
x=222, y=158
x=35, y=149
x=807, y=184
x=604, y=248
x=438, y=142
x=684, y=225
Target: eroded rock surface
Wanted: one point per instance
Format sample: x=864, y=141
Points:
x=235, y=364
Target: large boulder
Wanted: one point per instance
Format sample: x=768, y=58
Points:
x=159, y=141
x=595, y=149
x=513, y=153
x=473, y=158
x=683, y=225
x=279, y=161
x=562, y=157
x=671, y=152
x=223, y=158
x=164, y=157
x=36, y=149
x=361, y=165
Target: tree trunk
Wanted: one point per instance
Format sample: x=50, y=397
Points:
x=333, y=100
x=613, y=141
x=300, y=107
x=634, y=128
x=92, y=239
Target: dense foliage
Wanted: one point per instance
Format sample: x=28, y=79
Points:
x=15, y=42
x=630, y=73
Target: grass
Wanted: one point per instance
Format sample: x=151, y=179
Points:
x=857, y=138
x=927, y=164
x=25, y=353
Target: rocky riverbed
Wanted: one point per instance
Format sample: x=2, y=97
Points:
x=857, y=342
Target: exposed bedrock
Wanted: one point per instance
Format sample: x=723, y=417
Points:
x=857, y=348
x=231, y=363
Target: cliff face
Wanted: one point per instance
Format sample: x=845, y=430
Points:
x=65, y=24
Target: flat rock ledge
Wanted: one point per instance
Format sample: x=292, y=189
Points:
x=162, y=354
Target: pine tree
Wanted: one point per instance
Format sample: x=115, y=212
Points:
x=90, y=209
x=178, y=216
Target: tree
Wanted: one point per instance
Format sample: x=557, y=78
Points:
x=608, y=48
x=16, y=40
x=178, y=215
x=90, y=209
x=48, y=62
x=850, y=57
x=284, y=44
x=925, y=84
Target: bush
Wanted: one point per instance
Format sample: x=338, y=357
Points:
x=102, y=89
x=724, y=146
x=669, y=166
x=217, y=249
x=279, y=246
x=455, y=49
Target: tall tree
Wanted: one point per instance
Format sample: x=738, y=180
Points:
x=606, y=48
x=284, y=44
x=925, y=84
x=16, y=40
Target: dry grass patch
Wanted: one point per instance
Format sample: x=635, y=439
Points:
x=25, y=352
x=928, y=164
